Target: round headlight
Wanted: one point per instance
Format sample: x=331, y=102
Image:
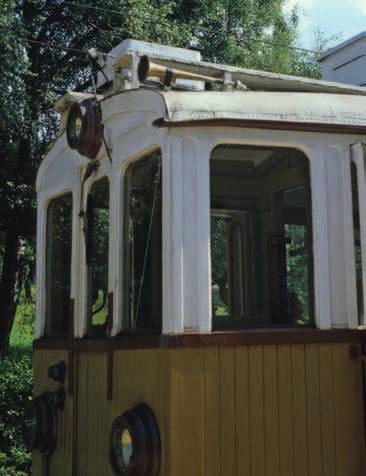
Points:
x=84, y=129
x=40, y=424
x=135, y=446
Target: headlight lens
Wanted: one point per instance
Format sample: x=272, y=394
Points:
x=40, y=424
x=84, y=129
x=135, y=443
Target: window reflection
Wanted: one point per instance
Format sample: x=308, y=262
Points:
x=58, y=265
x=143, y=246
x=97, y=251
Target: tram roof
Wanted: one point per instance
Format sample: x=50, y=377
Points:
x=189, y=108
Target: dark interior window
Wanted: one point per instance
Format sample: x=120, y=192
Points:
x=97, y=257
x=261, y=250
x=58, y=265
x=143, y=246
x=357, y=243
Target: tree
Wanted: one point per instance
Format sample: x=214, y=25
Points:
x=32, y=75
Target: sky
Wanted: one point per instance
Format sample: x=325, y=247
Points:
x=334, y=18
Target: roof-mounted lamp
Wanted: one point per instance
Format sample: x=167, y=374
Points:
x=84, y=128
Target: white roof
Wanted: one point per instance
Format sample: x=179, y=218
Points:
x=305, y=108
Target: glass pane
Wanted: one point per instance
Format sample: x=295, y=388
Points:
x=143, y=246
x=261, y=251
x=357, y=243
x=59, y=236
x=98, y=244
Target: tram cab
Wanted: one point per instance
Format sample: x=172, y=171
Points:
x=201, y=273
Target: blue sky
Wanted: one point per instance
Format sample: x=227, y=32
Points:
x=339, y=18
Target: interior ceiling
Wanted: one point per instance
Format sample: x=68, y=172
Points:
x=241, y=161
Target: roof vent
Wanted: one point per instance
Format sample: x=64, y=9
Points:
x=346, y=62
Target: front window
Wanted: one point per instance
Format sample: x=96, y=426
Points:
x=97, y=257
x=58, y=265
x=143, y=246
x=261, y=252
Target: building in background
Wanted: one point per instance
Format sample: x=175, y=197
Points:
x=346, y=62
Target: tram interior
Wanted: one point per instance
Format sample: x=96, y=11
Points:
x=261, y=239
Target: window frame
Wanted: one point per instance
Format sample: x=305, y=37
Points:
x=46, y=326
x=88, y=315
x=235, y=322
x=123, y=263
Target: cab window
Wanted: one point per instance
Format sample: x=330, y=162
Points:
x=261, y=252
x=97, y=257
x=58, y=265
x=143, y=246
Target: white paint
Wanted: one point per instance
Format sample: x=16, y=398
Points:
x=186, y=153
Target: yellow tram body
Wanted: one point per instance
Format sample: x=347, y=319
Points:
x=248, y=376
x=222, y=410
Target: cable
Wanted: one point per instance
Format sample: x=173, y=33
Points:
x=53, y=46
x=91, y=7
x=106, y=10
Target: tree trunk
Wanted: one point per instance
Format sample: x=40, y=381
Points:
x=9, y=286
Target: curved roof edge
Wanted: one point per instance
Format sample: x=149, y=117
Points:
x=267, y=107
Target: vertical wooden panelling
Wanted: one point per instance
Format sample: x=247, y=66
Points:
x=242, y=421
x=141, y=376
x=82, y=415
x=186, y=423
x=299, y=411
x=256, y=411
x=285, y=411
x=348, y=412
x=313, y=410
x=227, y=411
x=271, y=431
x=98, y=432
x=327, y=413
x=212, y=412
x=222, y=411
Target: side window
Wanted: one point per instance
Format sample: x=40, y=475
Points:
x=143, y=246
x=261, y=251
x=97, y=257
x=357, y=243
x=58, y=265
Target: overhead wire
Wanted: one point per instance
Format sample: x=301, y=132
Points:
x=116, y=12
x=267, y=41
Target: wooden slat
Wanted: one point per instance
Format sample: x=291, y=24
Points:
x=212, y=412
x=313, y=410
x=98, y=432
x=242, y=429
x=82, y=414
x=256, y=409
x=348, y=412
x=270, y=368
x=327, y=410
x=186, y=419
x=285, y=411
x=227, y=412
x=299, y=411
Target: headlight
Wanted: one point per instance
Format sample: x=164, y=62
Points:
x=40, y=423
x=84, y=129
x=135, y=447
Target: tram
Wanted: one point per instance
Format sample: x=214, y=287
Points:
x=201, y=274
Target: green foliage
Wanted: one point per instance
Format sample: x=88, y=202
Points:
x=15, y=391
x=22, y=334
